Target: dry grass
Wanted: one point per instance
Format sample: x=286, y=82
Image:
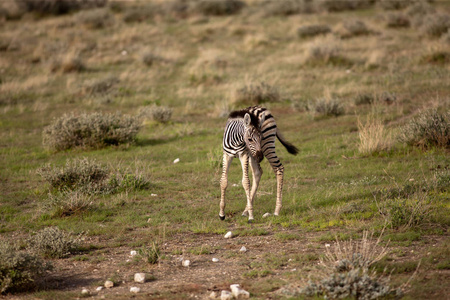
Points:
x=373, y=136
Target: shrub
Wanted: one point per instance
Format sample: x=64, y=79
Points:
x=395, y=4
x=286, y=7
x=343, y=5
x=439, y=57
x=86, y=177
x=327, y=107
x=161, y=114
x=94, y=130
x=149, y=58
x=18, y=269
x=68, y=202
x=353, y=28
x=58, y=7
x=218, y=7
x=429, y=129
x=94, y=19
x=403, y=213
x=256, y=94
x=76, y=173
x=99, y=86
x=325, y=51
x=395, y=20
x=54, y=242
x=138, y=14
x=435, y=25
x=362, y=99
x=150, y=254
x=312, y=30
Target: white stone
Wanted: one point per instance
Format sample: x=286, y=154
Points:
x=85, y=292
x=229, y=235
x=239, y=293
x=226, y=295
x=213, y=295
x=186, y=263
x=124, y=52
x=215, y=259
x=109, y=284
x=99, y=288
x=153, y=195
x=139, y=277
x=177, y=160
x=243, y=249
x=133, y=252
x=266, y=215
x=135, y=289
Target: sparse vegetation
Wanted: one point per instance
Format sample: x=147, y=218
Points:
x=327, y=107
x=95, y=130
x=150, y=254
x=256, y=93
x=218, y=7
x=161, y=114
x=372, y=135
x=313, y=30
x=435, y=25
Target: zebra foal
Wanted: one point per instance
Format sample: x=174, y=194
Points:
x=250, y=134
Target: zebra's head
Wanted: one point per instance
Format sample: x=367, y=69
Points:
x=252, y=137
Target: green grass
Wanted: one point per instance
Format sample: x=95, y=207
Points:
x=330, y=189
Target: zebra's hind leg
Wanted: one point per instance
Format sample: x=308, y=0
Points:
x=257, y=173
x=224, y=183
x=245, y=180
x=280, y=174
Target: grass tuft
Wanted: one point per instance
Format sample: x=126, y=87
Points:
x=53, y=242
x=256, y=93
x=372, y=136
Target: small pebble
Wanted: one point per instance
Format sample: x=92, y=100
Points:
x=215, y=259
x=99, y=288
x=229, y=235
x=133, y=252
x=213, y=295
x=139, y=277
x=135, y=289
x=266, y=215
x=239, y=293
x=109, y=284
x=85, y=292
x=153, y=195
x=243, y=249
x=186, y=263
x=177, y=160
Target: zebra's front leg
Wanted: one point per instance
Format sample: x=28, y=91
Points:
x=245, y=180
x=280, y=174
x=224, y=183
x=257, y=173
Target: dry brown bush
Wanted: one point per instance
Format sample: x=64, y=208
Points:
x=353, y=28
x=255, y=93
x=286, y=7
x=435, y=25
x=373, y=136
x=396, y=20
x=218, y=7
x=342, y=5
x=58, y=7
x=95, y=19
x=71, y=62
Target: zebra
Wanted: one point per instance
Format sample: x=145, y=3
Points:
x=250, y=135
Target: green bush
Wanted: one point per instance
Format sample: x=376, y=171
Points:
x=312, y=30
x=218, y=7
x=54, y=242
x=429, y=129
x=94, y=130
x=161, y=114
x=18, y=269
x=67, y=202
x=58, y=7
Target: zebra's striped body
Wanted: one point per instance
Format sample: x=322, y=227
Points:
x=250, y=134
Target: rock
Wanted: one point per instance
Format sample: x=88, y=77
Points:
x=85, y=292
x=177, y=160
x=135, y=289
x=99, y=288
x=229, y=235
x=215, y=259
x=213, y=295
x=186, y=263
x=109, y=284
x=266, y=215
x=243, y=249
x=139, y=277
x=153, y=195
x=239, y=293
x=133, y=252
x=226, y=295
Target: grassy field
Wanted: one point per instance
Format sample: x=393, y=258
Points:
x=375, y=70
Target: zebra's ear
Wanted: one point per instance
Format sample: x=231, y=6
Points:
x=262, y=119
x=247, y=119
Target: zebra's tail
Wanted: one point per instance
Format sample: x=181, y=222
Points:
x=289, y=147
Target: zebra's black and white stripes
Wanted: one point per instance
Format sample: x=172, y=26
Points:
x=250, y=134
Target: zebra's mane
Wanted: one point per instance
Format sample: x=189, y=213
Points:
x=241, y=113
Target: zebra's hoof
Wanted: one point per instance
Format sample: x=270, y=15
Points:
x=250, y=221
x=222, y=217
